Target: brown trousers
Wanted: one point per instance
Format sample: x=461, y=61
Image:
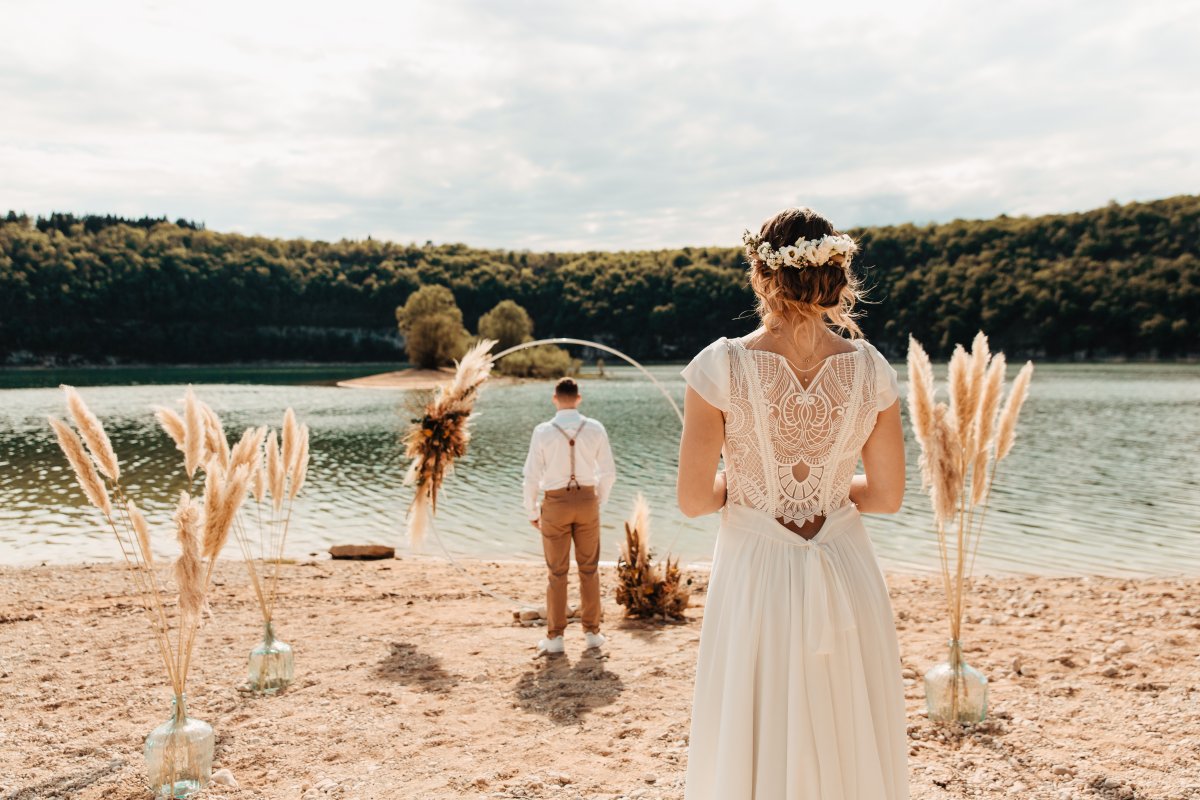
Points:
x=571, y=515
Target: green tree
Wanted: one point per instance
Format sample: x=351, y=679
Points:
x=508, y=323
x=544, y=361
x=432, y=326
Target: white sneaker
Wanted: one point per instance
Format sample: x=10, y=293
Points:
x=548, y=646
x=595, y=641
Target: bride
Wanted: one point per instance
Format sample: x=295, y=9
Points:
x=798, y=689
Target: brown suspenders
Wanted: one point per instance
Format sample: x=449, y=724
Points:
x=571, y=437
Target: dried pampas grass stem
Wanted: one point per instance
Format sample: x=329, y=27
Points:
x=193, y=433
x=93, y=435
x=85, y=469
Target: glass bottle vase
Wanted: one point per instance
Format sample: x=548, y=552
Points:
x=954, y=690
x=272, y=665
x=179, y=754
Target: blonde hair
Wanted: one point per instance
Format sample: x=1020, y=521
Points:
x=828, y=292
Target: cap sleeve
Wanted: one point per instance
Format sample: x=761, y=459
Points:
x=887, y=386
x=708, y=374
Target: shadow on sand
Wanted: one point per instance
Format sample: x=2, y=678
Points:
x=563, y=691
x=408, y=665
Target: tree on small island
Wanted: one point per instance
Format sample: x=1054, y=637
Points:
x=510, y=325
x=432, y=326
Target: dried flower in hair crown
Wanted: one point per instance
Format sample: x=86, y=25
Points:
x=804, y=253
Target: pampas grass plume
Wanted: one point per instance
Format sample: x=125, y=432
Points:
x=290, y=434
x=985, y=423
x=258, y=479
x=187, y=567
x=218, y=521
x=142, y=530
x=1006, y=432
x=920, y=391
x=247, y=452
x=301, y=469
x=84, y=468
x=93, y=434
x=474, y=367
x=639, y=525
x=945, y=465
x=193, y=426
x=418, y=521
x=980, y=355
x=962, y=410
x=214, y=436
x=172, y=423
x=275, y=471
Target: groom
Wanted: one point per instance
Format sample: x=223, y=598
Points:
x=570, y=460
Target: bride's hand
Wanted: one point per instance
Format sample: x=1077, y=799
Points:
x=536, y=523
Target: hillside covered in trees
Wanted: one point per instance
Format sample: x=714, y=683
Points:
x=1123, y=280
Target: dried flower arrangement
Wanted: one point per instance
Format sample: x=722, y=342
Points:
x=439, y=437
x=962, y=442
x=646, y=589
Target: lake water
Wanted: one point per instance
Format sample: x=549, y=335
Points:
x=1104, y=479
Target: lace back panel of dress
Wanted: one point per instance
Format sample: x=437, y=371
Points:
x=788, y=450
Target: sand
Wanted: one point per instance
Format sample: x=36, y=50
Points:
x=412, y=683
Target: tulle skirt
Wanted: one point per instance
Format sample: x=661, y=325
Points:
x=798, y=689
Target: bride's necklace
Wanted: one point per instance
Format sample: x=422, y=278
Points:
x=807, y=361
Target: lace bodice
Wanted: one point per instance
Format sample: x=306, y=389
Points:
x=791, y=450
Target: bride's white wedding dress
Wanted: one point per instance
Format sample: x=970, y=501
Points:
x=798, y=689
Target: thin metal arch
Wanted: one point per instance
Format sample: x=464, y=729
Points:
x=596, y=345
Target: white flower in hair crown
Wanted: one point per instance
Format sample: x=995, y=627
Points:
x=804, y=253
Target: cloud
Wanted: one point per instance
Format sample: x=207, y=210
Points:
x=604, y=125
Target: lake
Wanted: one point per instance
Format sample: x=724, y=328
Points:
x=1104, y=478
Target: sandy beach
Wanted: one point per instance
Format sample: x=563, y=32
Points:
x=412, y=683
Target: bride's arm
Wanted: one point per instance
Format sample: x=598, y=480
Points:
x=700, y=488
x=881, y=489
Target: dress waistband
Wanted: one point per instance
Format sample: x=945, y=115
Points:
x=824, y=603
x=836, y=523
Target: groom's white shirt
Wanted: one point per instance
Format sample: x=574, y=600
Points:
x=548, y=465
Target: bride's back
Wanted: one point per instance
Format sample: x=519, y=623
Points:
x=791, y=448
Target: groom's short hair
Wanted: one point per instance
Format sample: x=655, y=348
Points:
x=566, y=388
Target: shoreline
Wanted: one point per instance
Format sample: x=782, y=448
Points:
x=411, y=682
x=467, y=559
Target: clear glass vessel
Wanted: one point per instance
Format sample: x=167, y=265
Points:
x=179, y=754
x=272, y=666
x=954, y=690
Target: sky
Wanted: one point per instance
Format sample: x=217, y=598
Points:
x=598, y=125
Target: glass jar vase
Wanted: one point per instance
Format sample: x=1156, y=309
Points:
x=271, y=664
x=954, y=690
x=179, y=754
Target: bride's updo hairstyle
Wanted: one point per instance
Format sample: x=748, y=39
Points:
x=829, y=290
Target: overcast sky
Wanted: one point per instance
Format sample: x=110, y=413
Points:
x=571, y=125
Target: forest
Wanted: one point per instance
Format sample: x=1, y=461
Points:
x=1122, y=281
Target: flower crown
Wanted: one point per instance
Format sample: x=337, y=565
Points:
x=804, y=253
